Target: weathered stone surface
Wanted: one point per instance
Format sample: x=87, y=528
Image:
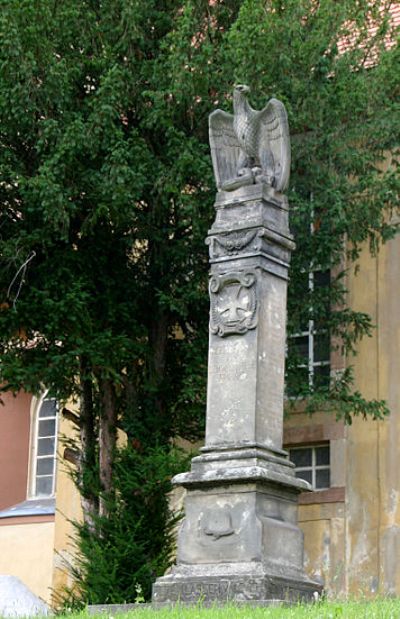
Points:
x=231, y=584
x=242, y=523
x=246, y=370
x=16, y=600
x=233, y=300
x=239, y=539
x=110, y=609
x=250, y=146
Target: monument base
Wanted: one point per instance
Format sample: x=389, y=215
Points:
x=247, y=582
x=240, y=540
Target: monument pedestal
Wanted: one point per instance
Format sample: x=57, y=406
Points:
x=231, y=582
x=240, y=540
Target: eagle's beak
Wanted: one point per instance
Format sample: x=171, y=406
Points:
x=242, y=88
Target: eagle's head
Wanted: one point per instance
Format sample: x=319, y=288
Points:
x=240, y=103
x=242, y=88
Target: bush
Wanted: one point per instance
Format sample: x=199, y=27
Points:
x=121, y=554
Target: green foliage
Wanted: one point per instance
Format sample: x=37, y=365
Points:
x=376, y=609
x=122, y=554
x=97, y=181
x=343, y=114
x=107, y=186
x=106, y=194
x=338, y=397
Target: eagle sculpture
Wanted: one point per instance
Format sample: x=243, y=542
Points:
x=250, y=146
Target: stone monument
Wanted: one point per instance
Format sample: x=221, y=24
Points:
x=16, y=600
x=239, y=539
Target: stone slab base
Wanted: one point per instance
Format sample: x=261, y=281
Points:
x=95, y=609
x=110, y=609
x=262, y=590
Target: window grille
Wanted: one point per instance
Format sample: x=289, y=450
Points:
x=311, y=345
x=44, y=448
x=313, y=465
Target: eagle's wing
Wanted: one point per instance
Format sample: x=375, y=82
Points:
x=224, y=145
x=274, y=139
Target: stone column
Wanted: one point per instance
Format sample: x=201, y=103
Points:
x=239, y=539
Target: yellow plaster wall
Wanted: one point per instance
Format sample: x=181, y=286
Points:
x=362, y=472
x=323, y=524
x=389, y=431
x=373, y=448
x=68, y=508
x=26, y=551
x=324, y=543
x=354, y=546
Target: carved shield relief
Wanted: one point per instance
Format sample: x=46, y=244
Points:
x=233, y=302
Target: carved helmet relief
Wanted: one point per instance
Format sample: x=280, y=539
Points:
x=217, y=523
x=233, y=303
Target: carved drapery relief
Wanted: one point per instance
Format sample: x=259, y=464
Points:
x=233, y=299
x=233, y=243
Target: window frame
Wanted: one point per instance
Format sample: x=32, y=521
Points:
x=36, y=405
x=311, y=334
x=314, y=467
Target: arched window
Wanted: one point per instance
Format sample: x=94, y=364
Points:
x=44, y=426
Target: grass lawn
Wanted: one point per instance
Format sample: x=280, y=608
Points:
x=379, y=609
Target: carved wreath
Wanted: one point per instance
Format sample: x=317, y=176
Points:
x=233, y=302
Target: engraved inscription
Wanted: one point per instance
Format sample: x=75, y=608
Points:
x=248, y=588
x=222, y=372
x=233, y=303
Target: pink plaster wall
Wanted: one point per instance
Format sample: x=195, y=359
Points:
x=14, y=448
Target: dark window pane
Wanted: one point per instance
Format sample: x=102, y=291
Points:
x=307, y=475
x=44, y=486
x=320, y=325
x=297, y=381
x=322, y=278
x=305, y=322
x=323, y=479
x=45, y=466
x=322, y=346
x=47, y=427
x=48, y=408
x=301, y=457
x=45, y=446
x=300, y=222
x=299, y=346
x=321, y=375
x=303, y=280
x=322, y=455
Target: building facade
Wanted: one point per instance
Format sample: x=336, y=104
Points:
x=352, y=527
x=37, y=496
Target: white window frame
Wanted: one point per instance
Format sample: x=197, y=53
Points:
x=314, y=467
x=36, y=406
x=311, y=333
